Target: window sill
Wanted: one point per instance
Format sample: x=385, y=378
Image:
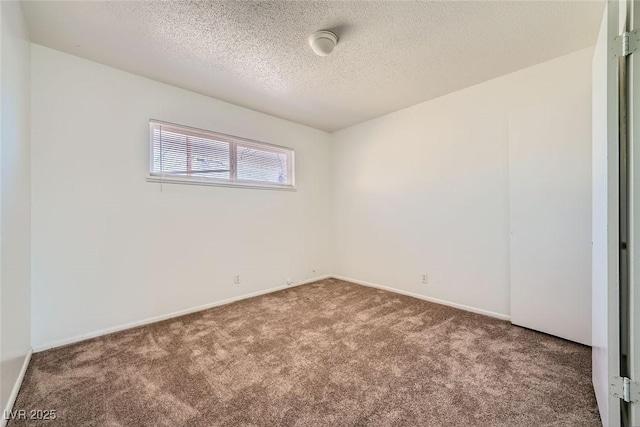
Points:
x=210, y=183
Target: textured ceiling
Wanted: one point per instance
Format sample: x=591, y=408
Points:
x=390, y=55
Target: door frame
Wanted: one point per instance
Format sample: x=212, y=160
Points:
x=632, y=329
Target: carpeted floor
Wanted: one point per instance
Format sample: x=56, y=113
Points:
x=326, y=354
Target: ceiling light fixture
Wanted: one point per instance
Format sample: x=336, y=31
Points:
x=323, y=42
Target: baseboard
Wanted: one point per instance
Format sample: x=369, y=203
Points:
x=16, y=388
x=426, y=298
x=106, y=331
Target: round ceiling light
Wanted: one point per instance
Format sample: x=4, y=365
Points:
x=323, y=42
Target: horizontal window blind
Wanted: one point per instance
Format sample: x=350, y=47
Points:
x=179, y=153
x=262, y=165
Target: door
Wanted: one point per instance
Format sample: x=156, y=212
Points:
x=605, y=217
x=616, y=207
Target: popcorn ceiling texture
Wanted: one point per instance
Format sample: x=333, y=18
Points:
x=255, y=54
x=329, y=353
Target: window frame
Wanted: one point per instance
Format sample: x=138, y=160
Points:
x=234, y=142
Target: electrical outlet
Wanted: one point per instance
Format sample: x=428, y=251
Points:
x=425, y=279
x=236, y=280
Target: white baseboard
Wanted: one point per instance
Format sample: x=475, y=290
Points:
x=106, y=331
x=16, y=389
x=426, y=298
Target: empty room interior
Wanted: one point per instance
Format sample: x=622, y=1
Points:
x=319, y=213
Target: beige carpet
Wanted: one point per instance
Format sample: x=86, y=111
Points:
x=328, y=353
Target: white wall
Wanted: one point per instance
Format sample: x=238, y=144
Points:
x=426, y=189
x=110, y=249
x=550, y=202
x=421, y=190
x=15, y=190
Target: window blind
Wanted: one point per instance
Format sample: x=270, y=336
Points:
x=180, y=153
x=262, y=165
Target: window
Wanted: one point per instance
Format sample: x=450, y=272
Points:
x=186, y=155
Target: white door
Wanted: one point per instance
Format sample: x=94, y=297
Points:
x=605, y=326
x=608, y=220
